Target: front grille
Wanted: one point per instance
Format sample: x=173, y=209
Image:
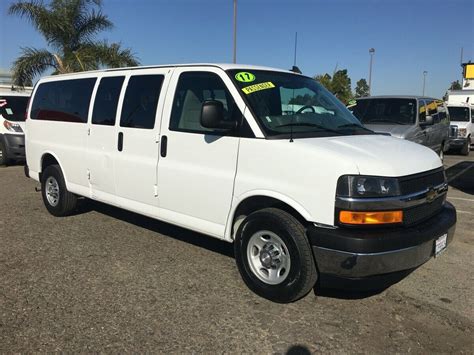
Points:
x=420, y=182
x=420, y=213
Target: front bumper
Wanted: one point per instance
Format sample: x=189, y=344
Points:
x=355, y=253
x=14, y=146
x=457, y=143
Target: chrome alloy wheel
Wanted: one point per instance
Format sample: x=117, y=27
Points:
x=268, y=257
x=52, y=191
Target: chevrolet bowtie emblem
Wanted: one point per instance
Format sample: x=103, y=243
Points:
x=431, y=195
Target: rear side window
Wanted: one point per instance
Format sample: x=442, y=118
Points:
x=13, y=108
x=106, y=99
x=141, y=100
x=65, y=100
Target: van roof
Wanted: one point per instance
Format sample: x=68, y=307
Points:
x=224, y=66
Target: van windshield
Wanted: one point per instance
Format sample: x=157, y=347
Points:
x=293, y=105
x=459, y=114
x=385, y=111
x=13, y=108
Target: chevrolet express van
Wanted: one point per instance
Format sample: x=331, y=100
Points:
x=263, y=158
x=13, y=104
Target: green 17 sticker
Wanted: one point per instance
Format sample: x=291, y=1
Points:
x=244, y=77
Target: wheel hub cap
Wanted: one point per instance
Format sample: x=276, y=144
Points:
x=52, y=191
x=268, y=257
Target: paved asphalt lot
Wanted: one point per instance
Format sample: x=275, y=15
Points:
x=113, y=281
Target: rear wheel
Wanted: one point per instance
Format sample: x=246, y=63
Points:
x=274, y=256
x=57, y=199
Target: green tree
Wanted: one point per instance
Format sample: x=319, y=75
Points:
x=70, y=28
x=339, y=84
x=325, y=80
x=455, y=85
x=362, y=88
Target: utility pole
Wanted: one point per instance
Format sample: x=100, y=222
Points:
x=424, y=81
x=371, y=52
x=235, y=32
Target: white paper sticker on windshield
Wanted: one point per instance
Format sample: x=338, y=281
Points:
x=9, y=111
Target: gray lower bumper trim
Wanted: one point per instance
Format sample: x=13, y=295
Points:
x=354, y=265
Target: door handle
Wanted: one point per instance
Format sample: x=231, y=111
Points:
x=164, y=146
x=120, y=141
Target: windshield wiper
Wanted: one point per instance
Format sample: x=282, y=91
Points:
x=307, y=124
x=349, y=125
x=385, y=120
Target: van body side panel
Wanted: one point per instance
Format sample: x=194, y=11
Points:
x=288, y=169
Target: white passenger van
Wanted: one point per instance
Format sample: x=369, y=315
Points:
x=263, y=158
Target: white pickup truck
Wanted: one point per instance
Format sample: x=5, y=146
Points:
x=262, y=158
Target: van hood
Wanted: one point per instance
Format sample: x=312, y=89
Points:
x=396, y=130
x=374, y=154
x=460, y=124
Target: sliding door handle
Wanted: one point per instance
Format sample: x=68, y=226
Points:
x=164, y=146
x=120, y=142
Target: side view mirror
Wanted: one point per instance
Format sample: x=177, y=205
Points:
x=428, y=121
x=212, y=116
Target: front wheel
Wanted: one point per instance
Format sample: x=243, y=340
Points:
x=3, y=154
x=57, y=199
x=274, y=256
x=466, y=147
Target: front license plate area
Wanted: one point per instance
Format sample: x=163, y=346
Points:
x=440, y=244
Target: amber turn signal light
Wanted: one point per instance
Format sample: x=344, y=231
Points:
x=381, y=217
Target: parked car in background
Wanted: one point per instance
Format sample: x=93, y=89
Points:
x=422, y=120
x=461, y=110
x=13, y=105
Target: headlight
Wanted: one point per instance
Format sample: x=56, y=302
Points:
x=367, y=186
x=462, y=132
x=12, y=127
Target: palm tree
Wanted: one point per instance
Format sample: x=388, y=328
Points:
x=70, y=28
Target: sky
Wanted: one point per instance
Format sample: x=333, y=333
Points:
x=409, y=36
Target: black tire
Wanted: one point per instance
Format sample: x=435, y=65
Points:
x=3, y=155
x=66, y=202
x=466, y=147
x=302, y=274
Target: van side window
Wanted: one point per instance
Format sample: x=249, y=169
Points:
x=422, y=111
x=65, y=100
x=106, y=99
x=432, y=110
x=193, y=89
x=141, y=100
